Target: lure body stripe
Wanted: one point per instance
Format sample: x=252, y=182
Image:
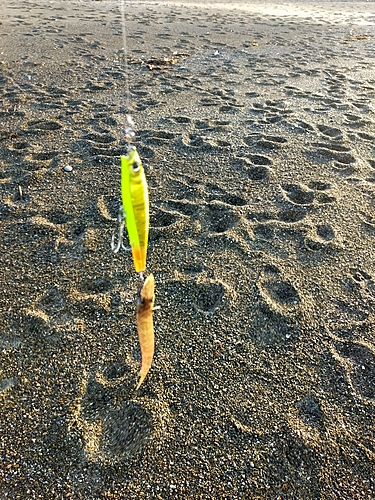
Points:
x=134, y=192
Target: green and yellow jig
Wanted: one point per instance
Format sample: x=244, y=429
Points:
x=135, y=202
x=135, y=208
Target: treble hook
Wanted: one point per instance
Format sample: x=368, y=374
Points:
x=120, y=243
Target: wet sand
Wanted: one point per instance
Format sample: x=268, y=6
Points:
x=258, y=145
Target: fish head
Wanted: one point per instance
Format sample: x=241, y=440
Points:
x=134, y=163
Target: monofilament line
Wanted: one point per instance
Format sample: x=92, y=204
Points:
x=129, y=132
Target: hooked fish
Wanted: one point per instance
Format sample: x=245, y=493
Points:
x=145, y=325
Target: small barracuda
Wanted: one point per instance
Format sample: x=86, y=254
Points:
x=134, y=192
x=146, y=326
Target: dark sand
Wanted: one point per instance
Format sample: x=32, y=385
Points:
x=259, y=151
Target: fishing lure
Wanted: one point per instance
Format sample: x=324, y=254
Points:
x=135, y=202
x=145, y=325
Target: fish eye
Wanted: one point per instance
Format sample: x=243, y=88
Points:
x=136, y=166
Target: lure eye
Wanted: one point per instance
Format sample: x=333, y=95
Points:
x=136, y=166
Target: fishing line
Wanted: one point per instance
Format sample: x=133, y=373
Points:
x=129, y=131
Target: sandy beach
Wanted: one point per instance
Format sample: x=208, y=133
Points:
x=255, y=123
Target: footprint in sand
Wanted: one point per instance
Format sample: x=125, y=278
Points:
x=301, y=126
x=100, y=285
x=352, y=311
x=231, y=107
x=258, y=173
x=260, y=160
x=45, y=156
x=332, y=149
x=303, y=195
x=162, y=219
x=265, y=144
x=204, y=143
x=116, y=423
x=280, y=295
x=351, y=119
x=252, y=139
x=292, y=214
x=104, y=138
x=300, y=456
x=234, y=200
x=298, y=194
x=366, y=137
x=7, y=210
x=147, y=103
x=319, y=185
x=325, y=232
x=278, y=306
x=330, y=153
x=208, y=296
x=260, y=216
x=145, y=151
x=8, y=343
x=164, y=223
x=321, y=240
x=359, y=275
x=43, y=234
x=192, y=268
x=215, y=192
x=52, y=302
x=310, y=412
x=327, y=131
x=331, y=146
x=212, y=125
x=270, y=143
x=220, y=219
x=93, y=296
x=280, y=292
x=254, y=167
x=358, y=360
x=277, y=110
x=181, y=119
x=19, y=148
x=42, y=126
x=365, y=281
x=196, y=292
x=158, y=137
x=356, y=122
x=264, y=232
x=57, y=217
